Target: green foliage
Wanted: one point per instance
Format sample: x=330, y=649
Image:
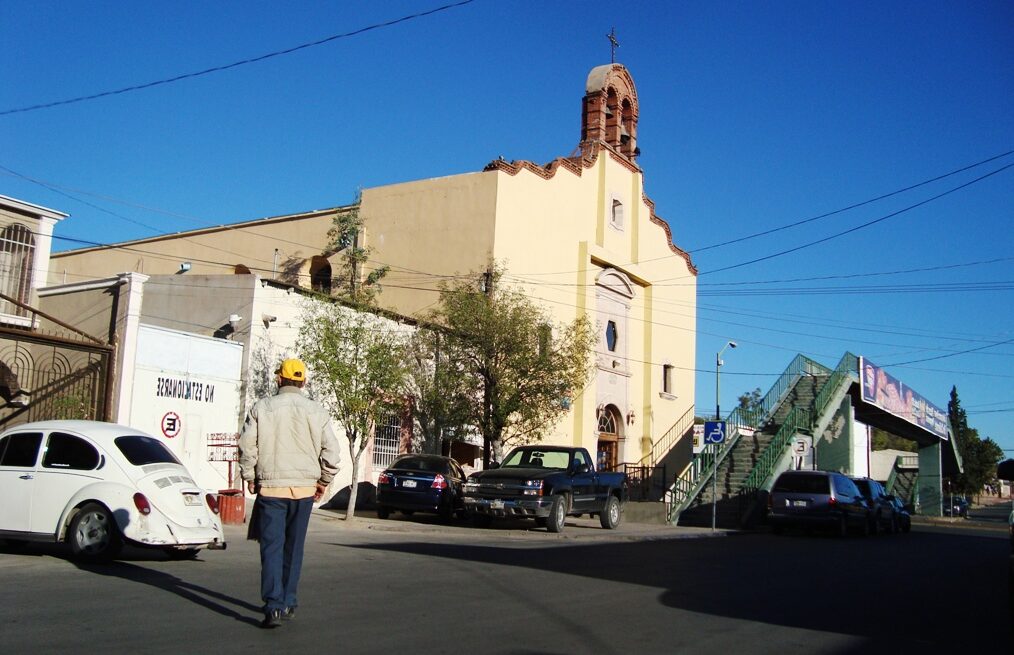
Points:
x=344, y=236
x=440, y=389
x=356, y=362
x=750, y=406
x=72, y=406
x=522, y=374
x=882, y=440
x=979, y=456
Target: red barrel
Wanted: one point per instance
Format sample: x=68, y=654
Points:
x=232, y=506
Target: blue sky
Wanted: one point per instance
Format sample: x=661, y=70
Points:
x=754, y=116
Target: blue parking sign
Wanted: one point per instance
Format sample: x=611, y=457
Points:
x=714, y=431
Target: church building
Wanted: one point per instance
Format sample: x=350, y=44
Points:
x=579, y=235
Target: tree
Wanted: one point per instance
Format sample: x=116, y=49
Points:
x=979, y=456
x=439, y=388
x=521, y=370
x=357, y=370
x=345, y=236
x=750, y=406
x=882, y=440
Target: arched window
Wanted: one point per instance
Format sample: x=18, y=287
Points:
x=320, y=274
x=17, y=258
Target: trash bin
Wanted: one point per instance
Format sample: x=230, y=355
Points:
x=232, y=506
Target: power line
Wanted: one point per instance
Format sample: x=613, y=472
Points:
x=858, y=227
x=235, y=64
x=850, y=207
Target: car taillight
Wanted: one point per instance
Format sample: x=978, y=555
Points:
x=385, y=478
x=212, y=502
x=832, y=501
x=142, y=504
x=439, y=482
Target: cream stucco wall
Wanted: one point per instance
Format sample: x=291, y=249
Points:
x=555, y=238
x=427, y=231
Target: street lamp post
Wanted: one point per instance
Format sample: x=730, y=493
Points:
x=718, y=370
x=718, y=417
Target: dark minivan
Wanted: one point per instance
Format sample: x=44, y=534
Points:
x=817, y=499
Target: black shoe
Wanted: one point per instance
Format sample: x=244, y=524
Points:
x=288, y=613
x=272, y=619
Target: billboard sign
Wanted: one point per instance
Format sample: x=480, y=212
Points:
x=894, y=397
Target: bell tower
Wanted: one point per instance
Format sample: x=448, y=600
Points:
x=610, y=111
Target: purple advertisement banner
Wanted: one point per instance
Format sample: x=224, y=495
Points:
x=891, y=395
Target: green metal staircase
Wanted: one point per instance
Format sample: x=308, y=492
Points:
x=757, y=440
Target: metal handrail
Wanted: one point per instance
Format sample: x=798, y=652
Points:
x=690, y=480
x=798, y=418
x=801, y=418
x=669, y=440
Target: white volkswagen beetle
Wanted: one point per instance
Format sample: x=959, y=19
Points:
x=96, y=485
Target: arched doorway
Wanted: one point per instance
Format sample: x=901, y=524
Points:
x=607, y=450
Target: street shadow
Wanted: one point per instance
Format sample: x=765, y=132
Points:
x=898, y=593
x=206, y=598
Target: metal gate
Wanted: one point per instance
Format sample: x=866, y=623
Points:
x=57, y=377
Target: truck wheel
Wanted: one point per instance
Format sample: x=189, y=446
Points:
x=610, y=516
x=557, y=514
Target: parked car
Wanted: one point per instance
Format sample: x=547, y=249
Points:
x=818, y=499
x=547, y=483
x=904, y=517
x=421, y=483
x=956, y=506
x=883, y=517
x=98, y=485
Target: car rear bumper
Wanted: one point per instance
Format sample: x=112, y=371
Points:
x=533, y=507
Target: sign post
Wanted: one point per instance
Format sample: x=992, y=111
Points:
x=714, y=434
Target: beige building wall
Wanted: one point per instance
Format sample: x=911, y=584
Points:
x=280, y=247
x=429, y=231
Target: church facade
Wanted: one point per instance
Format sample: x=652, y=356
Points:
x=579, y=235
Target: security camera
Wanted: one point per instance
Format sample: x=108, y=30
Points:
x=268, y=318
x=234, y=320
x=184, y=267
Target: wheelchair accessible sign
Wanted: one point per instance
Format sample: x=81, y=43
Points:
x=714, y=432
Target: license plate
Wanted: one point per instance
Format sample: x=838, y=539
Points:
x=496, y=504
x=193, y=500
x=408, y=484
x=799, y=503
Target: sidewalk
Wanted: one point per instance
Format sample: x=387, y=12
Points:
x=577, y=529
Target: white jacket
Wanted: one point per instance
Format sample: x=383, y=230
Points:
x=287, y=441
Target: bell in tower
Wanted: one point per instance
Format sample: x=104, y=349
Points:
x=610, y=111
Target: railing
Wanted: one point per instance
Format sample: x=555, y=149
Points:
x=645, y=482
x=691, y=479
x=668, y=440
x=799, y=418
x=847, y=365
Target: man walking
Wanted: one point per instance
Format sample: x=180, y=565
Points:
x=288, y=455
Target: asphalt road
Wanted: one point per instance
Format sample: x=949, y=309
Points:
x=402, y=586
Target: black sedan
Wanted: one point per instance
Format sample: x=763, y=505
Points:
x=421, y=483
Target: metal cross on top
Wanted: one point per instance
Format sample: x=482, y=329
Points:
x=613, y=45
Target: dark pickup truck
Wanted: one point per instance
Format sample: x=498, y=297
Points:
x=546, y=483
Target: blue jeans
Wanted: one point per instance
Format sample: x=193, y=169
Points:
x=283, y=524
